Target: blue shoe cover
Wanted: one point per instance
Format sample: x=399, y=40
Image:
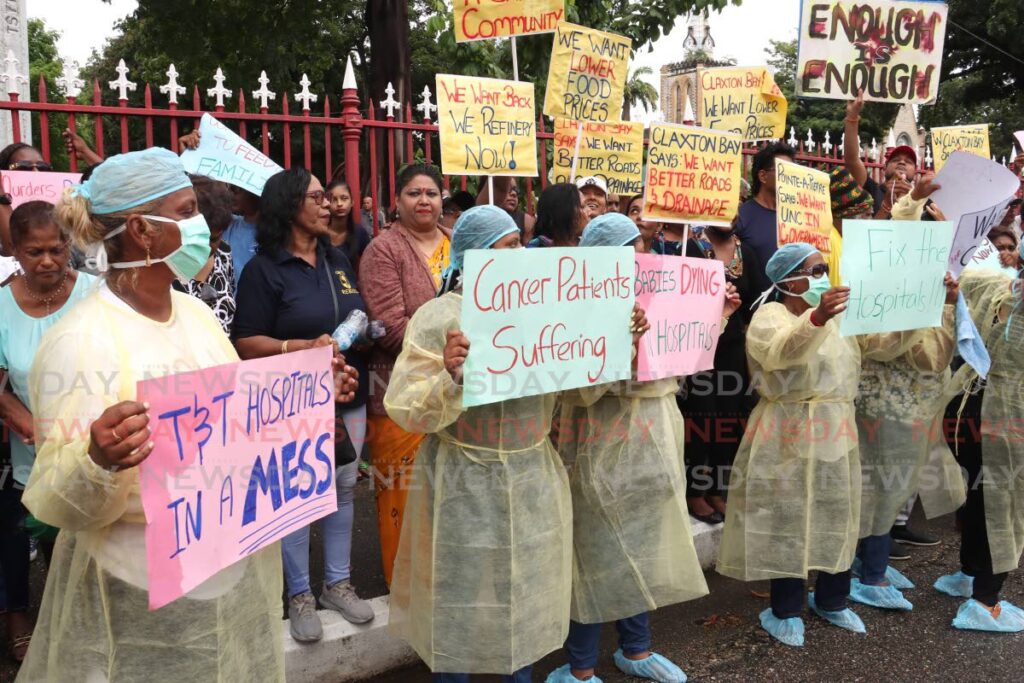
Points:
x=788, y=631
x=958, y=585
x=972, y=616
x=655, y=668
x=886, y=597
x=897, y=580
x=845, y=618
x=563, y=674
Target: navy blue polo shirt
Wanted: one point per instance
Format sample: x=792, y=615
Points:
x=281, y=296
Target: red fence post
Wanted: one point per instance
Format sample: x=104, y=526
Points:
x=148, y=99
x=350, y=133
x=44, y=122
x=98, y=123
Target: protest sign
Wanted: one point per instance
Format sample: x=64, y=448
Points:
x=892, y=50
x=683, y=299
x=244, y=455
x=484, y=19
x=895, y=271
x=970, y=139
x=545, y=320
x=693, y=175
x=803, y=205
x=742, y=100
x=29, y=186
x=1019, y=137
x=611, y=151
x=223, y=155
x=587, y=74
x=487, y=126
x=986, y=257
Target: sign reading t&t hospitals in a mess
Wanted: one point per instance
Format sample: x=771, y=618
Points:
x=486, y=19
x=223, y=155
x=587, y=75
x=970, y=139
x=742, y=100
x=892, y=50
x=693, y=175
x=803, y=205
x=612, y=151
x=487, y=126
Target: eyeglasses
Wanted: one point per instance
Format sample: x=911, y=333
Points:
x=817, y=271
x=317, y=196
x=30, y=166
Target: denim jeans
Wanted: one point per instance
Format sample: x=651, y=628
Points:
x=581, y=645
x=830, y=592
x=14, y=563
x=521, y=676
x=874, y=558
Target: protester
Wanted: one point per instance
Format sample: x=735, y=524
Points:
x=594, y=191
x=79, y=148
x=367, y=214
x=292, y=296
x=1007, y=243
x=524, y=221
x=648, y=229
x=20, y=156
x=346, y=233
x=214, y=285
x=757, y=221
x=898, y=174
x=849, y=200
x=560, y=217
x=401, y=270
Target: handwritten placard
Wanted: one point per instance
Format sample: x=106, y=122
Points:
x=485, y=19
x=223, y=155
x=30, y=186
x=487, y=126
x=890, y=49
x=803, y=205
x=693, y=175
x=970, y=139
x=545, y=320
x=587, y=74
x=986, y=257
x=683, y=299
x=742, y=100
x=244, y=455
x=895, y=272
x=612, y=151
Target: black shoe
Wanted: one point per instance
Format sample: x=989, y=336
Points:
x=714, y=518
x=898, y=553
x=901, y=533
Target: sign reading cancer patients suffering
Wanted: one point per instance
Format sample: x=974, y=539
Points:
x=244, y=456
x=895, y=271
x=587, y=75
x=545, y=320
x=742, y=100
x=224, y=156
x=683, y=299
x=485, y=19
x=693, y=175
x=890, y=50
x=29, y=186
x=803, y=205
x=970, y=139
x=487, y=126
x=612, y=151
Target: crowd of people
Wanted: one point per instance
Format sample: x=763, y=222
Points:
x=499, y=545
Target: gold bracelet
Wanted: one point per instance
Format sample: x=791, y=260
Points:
x=284, y=346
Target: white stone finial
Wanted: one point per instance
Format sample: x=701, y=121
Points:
x=688, y=112
x=873, y=154
x=218, y=90
x=304, y=95
x=350, y=76
x=171, y=87
x=890, y=142
x=426, y=107
x=390, y=103
x=842, y=144
x=809, y=144
x=69, y=81
x=792, y=137
x=122, y=85
x=11, y=76
x=827, y=145
x=264, y=93
x=928, y=156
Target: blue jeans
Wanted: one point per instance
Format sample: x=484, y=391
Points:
x=830, y=593
x=581, y=645
x=874, y=558
x=335, y=527
x=521, y=676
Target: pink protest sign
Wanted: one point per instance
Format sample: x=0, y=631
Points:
x=244, y=456
x=683, y=298
x=27, y=186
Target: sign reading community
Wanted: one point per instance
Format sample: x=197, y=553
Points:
x=587, y=75
x=485, y=19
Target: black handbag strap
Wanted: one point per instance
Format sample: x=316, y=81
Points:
x=334, y=293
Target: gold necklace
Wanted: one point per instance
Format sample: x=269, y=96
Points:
x=47, y=300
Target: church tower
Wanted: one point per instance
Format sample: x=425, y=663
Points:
x=679, y=80
x=698, y=35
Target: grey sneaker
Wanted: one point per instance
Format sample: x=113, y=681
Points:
x=303, y=620
x=342, y=598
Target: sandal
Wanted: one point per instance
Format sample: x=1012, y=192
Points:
x=19, y=647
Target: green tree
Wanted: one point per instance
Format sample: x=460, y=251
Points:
x=639, y=92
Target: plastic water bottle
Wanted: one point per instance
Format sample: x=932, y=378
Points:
x=350, y=330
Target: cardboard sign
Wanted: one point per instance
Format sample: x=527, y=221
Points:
x=895, y=272
x=545, y=320
x=970, y=139
x=485, y=19
x=487, y=126
x=223, y=155
x=244, y=456
x=986, y=257
x=742, y=100
x=890, y=49
x=803, y=205
x=693, y=175
x=611, y=151
x=587, y=74
x=683, y=299
x=30, y=186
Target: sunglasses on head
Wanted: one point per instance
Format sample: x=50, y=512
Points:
x=817, y=271
x=30, y=166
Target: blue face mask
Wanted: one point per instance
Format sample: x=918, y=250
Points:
x=816, y=287
x=187, y=260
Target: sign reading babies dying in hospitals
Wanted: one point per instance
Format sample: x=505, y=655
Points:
x=892, y=50
x=895, y=271
x=545, y=320
x=803, y=205
x=224, y=156
x=485, y=19
x=742, y=100
x=612, y=151
x=970, y=139
x=487, y=126
x=587, y=74
x=244, y=455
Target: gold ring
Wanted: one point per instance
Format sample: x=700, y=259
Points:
x=113, y=430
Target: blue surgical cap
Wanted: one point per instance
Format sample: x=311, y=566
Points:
x=787, y=259
x=125, y=181
x=479, y=228
x=610, y=230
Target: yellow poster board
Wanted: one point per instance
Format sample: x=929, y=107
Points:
x=587, y=75
x=486, y=126
x=693, y=175
x=742, y=100
x=486, y=19
x=803, y=205
x=612, y=151
x=971, y=139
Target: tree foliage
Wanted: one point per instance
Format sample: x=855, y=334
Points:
x=639, y=92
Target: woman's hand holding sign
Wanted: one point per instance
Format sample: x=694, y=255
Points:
x=455, y=352
x=119, y=438
x=833, y=302
x=732, y=300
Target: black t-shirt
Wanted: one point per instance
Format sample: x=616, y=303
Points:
x=877, y=192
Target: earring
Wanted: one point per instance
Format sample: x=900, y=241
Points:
x=148, y=262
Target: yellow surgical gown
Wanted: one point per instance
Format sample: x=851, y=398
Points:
x=484, y=567
x=94, y=623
